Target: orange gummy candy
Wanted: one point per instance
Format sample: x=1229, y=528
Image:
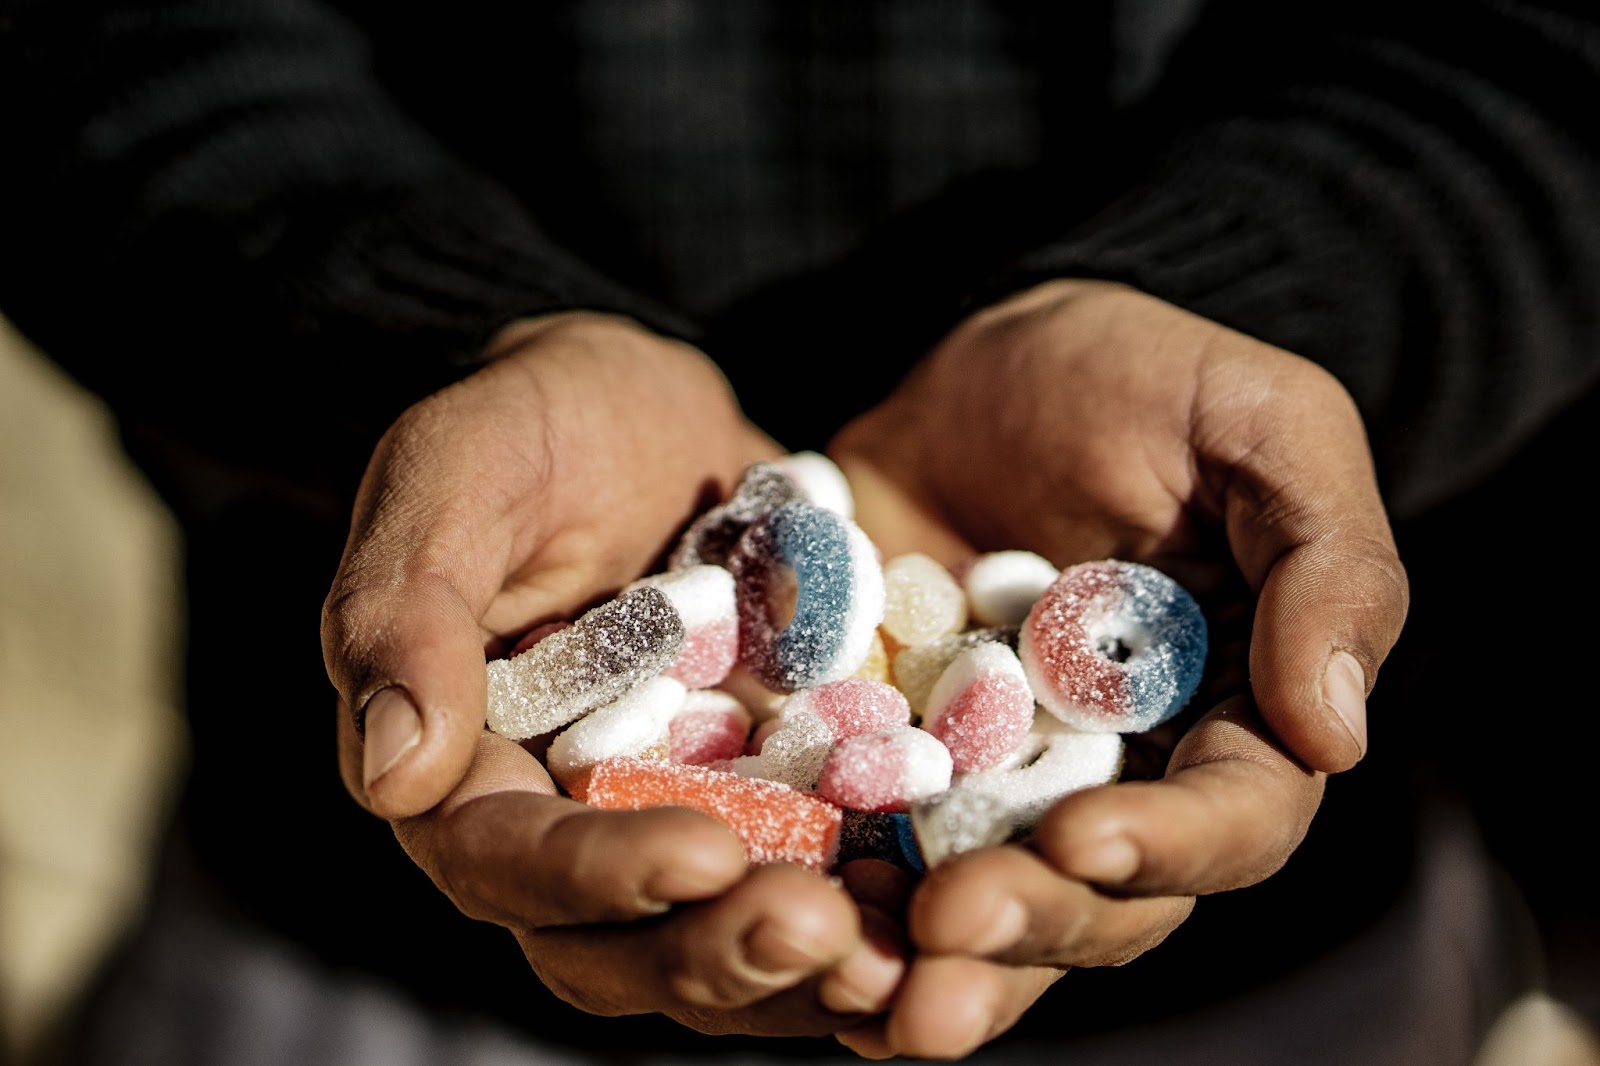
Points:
x=776, y=823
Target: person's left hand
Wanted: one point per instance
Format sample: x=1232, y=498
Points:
x=1086, y=420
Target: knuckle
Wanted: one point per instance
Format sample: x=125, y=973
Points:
x=581, y=842
x=711, y=987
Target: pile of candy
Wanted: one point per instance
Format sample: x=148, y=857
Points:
x=827, y=704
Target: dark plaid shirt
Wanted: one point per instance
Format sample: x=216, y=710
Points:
x=272, y=194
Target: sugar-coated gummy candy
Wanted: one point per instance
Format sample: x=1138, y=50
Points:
x=850, y=707
x=868, y=835
x=772, y=675
x=759, y=735
x=604, y=653
x=922, y=600
x=1113, y=646
x=1054, y=760
x=915, y=670
x=709, y=727
x=775, y=823
x=1002, y=586
x=981, y=707
x=535, y=635
x=885, y=770
x=1000, y=804
x=704, y=597
x=638, y=724
x=875, y=667
x=957, y=821
x=820, y=480
x=810, y=593
x=793, y=749
x=910, y=850
x=879, y=835
x=792, y=754
x=710, y=539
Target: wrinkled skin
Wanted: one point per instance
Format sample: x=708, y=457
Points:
x=1078, y=420
x=1085, y=420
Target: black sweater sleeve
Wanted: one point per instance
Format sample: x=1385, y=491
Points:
x=1408, y=194
x=215, y=198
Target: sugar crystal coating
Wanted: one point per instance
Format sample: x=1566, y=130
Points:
x=992, y=807
x=850, y=707
x=775, y=823
x=793, y=754
x=878, y=835
x=830, y=567
x=820, y=480
x=704, y=598
x=956, y=821
x=981, y=707
x=763, y=488
x=834, y=650
x=604, y=653
x=921, y=600
x=1054, y=761
x=1113, y=646
x=917, y=669
x=1002, y=586
x=886, y=770
x=868, y=835
x=710, y=726
x=637, y=722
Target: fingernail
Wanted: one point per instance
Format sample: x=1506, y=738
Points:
x=1010, y=922
x=1110, y=861
x=1344, y=687
x=774, y=949
x=647, y=907
x=393, y=728
x=863, y=983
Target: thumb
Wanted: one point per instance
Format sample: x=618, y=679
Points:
x=1310, y=534
x=407, y=657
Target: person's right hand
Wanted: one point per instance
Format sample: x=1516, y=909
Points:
x=525, y=493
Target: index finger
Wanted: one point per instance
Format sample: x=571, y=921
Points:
x=507, y=849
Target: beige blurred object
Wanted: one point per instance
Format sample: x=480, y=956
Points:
x=1539, y=1031
x=90, y=631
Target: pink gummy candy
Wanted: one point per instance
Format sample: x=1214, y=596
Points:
x=885, y=771
x=704, y=597
x=981, y=707
x=710, y=727
x=851, y=707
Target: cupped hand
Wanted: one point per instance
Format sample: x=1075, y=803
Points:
x=1085, y=420
x=536, y=487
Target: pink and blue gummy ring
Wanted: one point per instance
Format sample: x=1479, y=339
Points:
x=810, y=596
x=1113, y=647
